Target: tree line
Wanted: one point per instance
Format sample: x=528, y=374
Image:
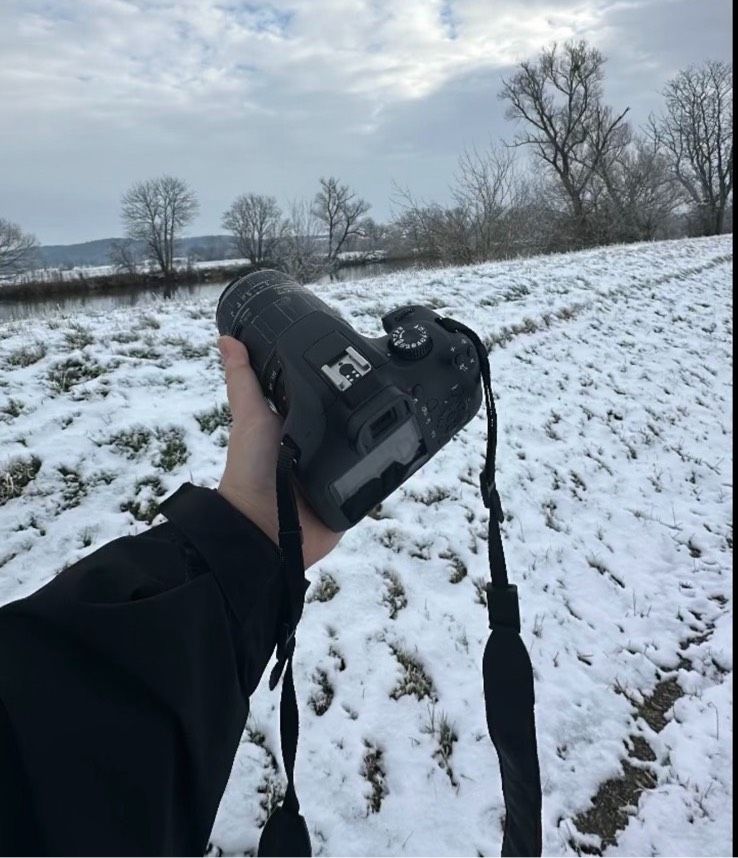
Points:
x=590, y=179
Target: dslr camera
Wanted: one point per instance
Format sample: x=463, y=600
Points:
x=363, y=414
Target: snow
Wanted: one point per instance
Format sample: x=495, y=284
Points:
x=78, y=272
x=612, y=372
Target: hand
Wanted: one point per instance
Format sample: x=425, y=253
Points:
x=249, y=480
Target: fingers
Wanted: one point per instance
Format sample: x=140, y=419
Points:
x=245, y=395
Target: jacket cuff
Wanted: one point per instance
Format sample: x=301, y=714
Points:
x=241, y=557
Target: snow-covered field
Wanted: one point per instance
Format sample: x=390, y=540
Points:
x=48, y=275
x=612, y=372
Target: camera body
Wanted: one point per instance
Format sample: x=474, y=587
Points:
x=364, y=413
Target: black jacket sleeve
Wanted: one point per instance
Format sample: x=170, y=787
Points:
x=124, y=685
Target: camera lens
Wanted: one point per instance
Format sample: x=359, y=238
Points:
x=257, y=310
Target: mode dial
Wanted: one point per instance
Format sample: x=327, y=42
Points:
x=410, y=342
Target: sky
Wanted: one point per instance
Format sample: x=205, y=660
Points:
x=239, y=97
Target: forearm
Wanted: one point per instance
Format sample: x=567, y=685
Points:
x=126, y=679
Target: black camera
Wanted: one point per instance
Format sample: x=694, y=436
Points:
x=363, y=413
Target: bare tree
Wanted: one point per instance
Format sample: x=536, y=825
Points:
x=696, y=133
x=156, y=211
x=639, y=193
x=559, y=97
x=299, y=246
x=376, y=235
x=479, y=224
x=256, y=224
x=485, y=189
x=17, y=248
x=341, y=210
x=123, y=256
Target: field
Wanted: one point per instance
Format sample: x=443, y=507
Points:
x=612, y=371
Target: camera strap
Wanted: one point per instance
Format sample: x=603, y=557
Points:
x=506, y=667
x=286, y=832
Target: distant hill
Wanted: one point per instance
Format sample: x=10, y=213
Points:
x=202, y=247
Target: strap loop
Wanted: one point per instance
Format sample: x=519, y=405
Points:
x=503, y=607
x=490, y=496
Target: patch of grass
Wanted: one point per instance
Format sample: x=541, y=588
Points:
x=103, y=478
x=77, y=336
x=142, y=352
x=322, y=697
x=148, y=321
x=446, y=736
x=16, y=475
x=372, y=770
x=340, y=660
x=601, y=567
x=393, y=539
x=480, y=590
x=75, y=488
x=549, y=513
x=124, y=337
x=217, y=417
x=394, y=596
x=612, y=805
x=66, y=374
x=144, y=506
x=324, y=590
x=176, y=381
x=26, y=355
x=13, y=408
x=130, y=442
x=458, y=567
x=86, y=537
x=174, y=450
x=187, y=349
x=435, y=494
x=609, y=812
x=414, y=682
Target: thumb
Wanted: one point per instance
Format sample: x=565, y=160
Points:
x=245, y=395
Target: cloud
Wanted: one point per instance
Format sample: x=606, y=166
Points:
x=97, y=93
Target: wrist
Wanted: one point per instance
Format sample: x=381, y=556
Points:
x=265, y=520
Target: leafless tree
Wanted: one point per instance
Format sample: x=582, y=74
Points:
x=696, y=133
x=17, y=248
x=559, y=97
x=639, y=193
x=123, y=256
x=299, y=247
x=156, y=211
x=479, y=225
x=256, y=223
x=341, y=210
x=486, y=188
x=376, y=234
x=434, y=232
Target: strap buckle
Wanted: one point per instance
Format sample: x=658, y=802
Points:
x=490, y=496
x=285, y=536
x=503, y=607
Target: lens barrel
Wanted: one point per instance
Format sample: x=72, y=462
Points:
x=258, y=308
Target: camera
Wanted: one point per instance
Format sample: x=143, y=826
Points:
x=363, y=413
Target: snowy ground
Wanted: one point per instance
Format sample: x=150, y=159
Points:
x=613, y=376
x=44, y=275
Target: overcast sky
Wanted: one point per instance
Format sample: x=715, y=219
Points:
x=245, y=96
